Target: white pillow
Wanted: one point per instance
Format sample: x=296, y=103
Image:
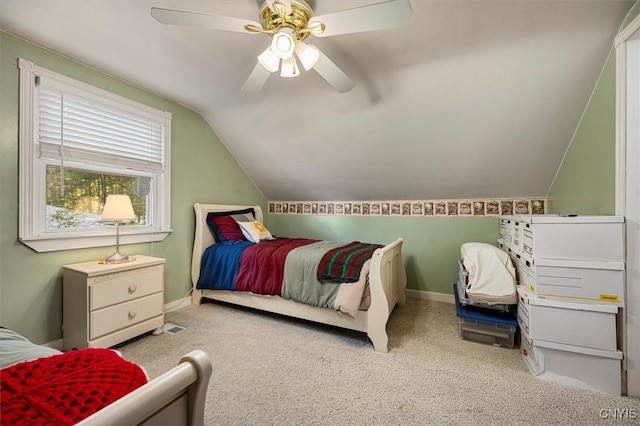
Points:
x=255, y=231
x=15, y=348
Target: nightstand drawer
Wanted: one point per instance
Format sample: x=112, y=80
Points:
x=113, y=318
x=124, y=286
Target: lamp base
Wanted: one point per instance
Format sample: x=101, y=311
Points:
x=117, y=257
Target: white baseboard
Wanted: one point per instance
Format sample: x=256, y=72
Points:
x=177, y=304
x=430, y=295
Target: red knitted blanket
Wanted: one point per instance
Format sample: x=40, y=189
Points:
x=64, y=389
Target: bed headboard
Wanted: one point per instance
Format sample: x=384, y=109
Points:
x=204, y=237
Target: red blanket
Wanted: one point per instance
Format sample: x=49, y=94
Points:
x=64, y=389
x=262, y=265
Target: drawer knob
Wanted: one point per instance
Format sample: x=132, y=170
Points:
x=132, y=288
x=132, y=314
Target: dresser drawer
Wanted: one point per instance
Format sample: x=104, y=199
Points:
x=113, y=318
x=124, y=286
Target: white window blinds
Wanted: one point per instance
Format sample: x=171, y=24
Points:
x=76, y=127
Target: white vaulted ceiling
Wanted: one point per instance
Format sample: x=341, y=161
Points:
x=474, y=98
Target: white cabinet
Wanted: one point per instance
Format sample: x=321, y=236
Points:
x=570, y=272
x=106, y=304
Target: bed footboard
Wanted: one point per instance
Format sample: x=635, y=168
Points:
x=387, y=282
x=177, y=397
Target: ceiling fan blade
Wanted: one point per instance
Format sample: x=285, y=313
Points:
x=257, y=79
x=192, y=19
x=334, y=75
x=380, y=16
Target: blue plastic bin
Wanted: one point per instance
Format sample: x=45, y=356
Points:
x=489, y=327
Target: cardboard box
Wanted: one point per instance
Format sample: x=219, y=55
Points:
x=576, y=324
x=529, y=354
x=524, y=320
x=581, y=367
x=592, y=238
x=572, y=280
x=578, y=281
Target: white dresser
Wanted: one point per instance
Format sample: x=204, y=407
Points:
x=106, y=304
x=570, y=272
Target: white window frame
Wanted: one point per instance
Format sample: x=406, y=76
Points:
x=32, y=197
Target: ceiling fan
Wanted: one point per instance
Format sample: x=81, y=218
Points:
x=289, y=23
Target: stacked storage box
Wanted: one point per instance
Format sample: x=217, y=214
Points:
x=571, y=286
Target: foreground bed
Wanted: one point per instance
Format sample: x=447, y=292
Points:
x=95, y=386
x=177, y=397
x=387, y=281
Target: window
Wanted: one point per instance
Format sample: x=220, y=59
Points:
x=79, y=144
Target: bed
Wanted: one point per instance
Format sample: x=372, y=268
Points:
x=43, y=386
x=386, y=282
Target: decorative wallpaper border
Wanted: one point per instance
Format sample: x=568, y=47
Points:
x=458, y=208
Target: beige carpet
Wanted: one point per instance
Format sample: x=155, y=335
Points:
x=276, y=371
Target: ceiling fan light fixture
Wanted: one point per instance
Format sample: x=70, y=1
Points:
x=289, y=23
x=269, y=60
x=289, y=68
x=308, y=55
x=284, y=42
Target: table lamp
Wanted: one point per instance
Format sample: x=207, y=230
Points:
x=118, y=208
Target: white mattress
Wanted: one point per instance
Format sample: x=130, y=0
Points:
x=491, y=274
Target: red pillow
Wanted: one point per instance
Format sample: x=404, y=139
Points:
x=228, y=227
x=230, y=230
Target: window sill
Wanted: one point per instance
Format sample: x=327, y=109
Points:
x=46, y=243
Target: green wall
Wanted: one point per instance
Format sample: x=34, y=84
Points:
x=585, y=182
x=202, y=171
x=431, y=245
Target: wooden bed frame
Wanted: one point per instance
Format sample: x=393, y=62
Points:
x=387, y=282
x=176, y=397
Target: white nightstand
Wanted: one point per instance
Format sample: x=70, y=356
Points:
x=106, y=304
